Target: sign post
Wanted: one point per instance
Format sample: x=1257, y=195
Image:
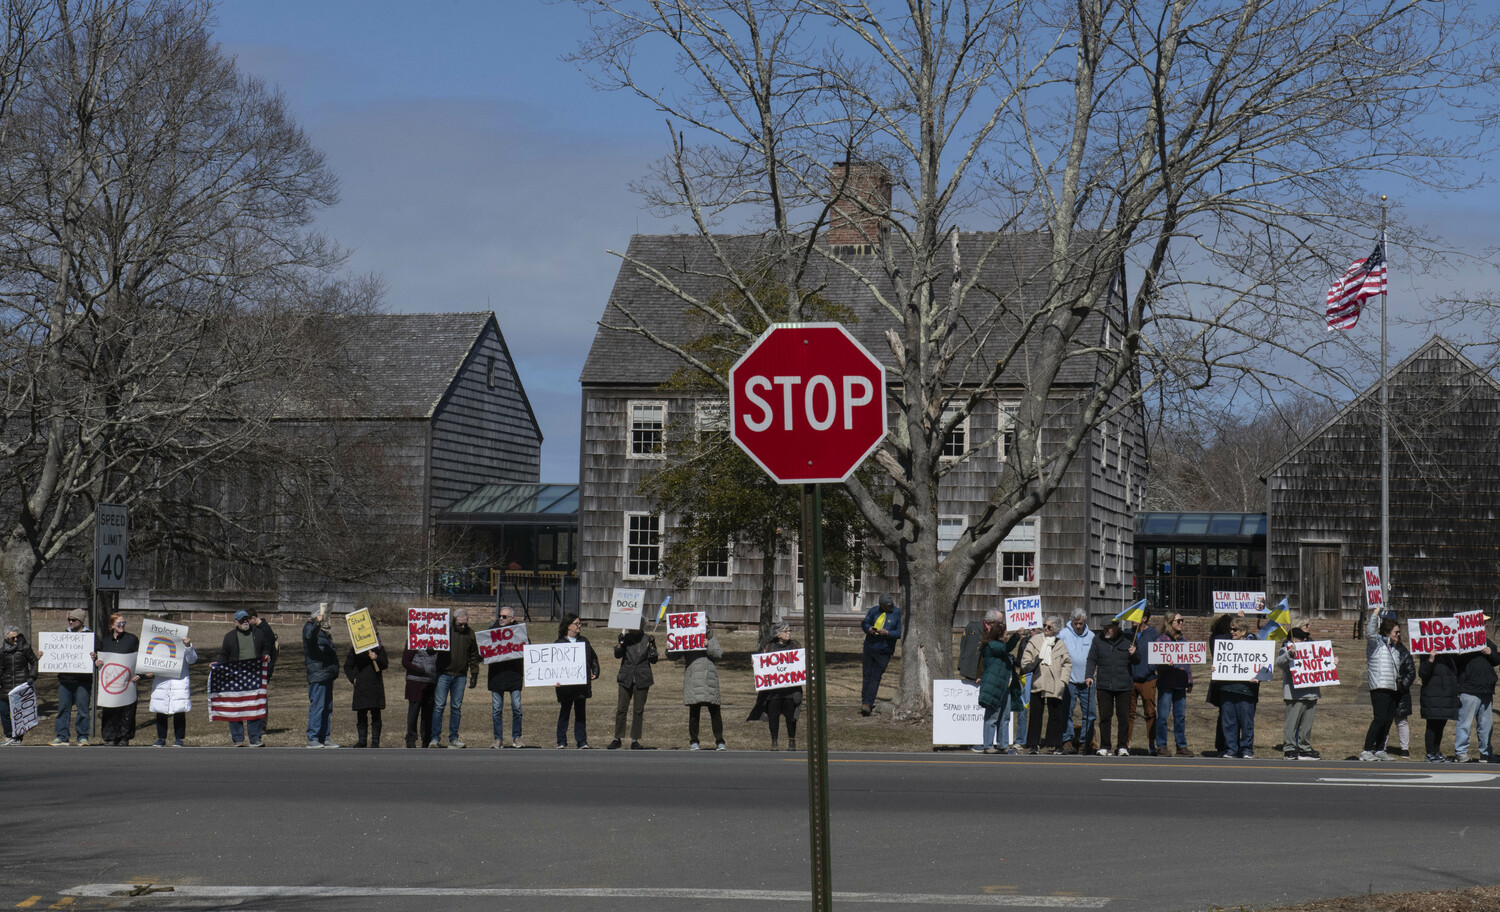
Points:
x=111, y=536
x=807, y=403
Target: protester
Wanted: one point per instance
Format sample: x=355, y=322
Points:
x=1476, y=693
x=74, y=691
x=365, y=671
x=1301, y=702
x=17, y=667
x=1078, y=638
x=421, y=681
x=1047, y=659
x=1406, y=673
x=505, y=678
x=458, y=664
x=573, y=698
x=245, y=641
x=172, y=697
x=700, y=688
x=1173, y=684
x=1107, y=673
x=968, y=651
x=882, y=627
x=1237, y=709
x=1143, y=681
x=1439, y=700
x=636, y=651
x=1219, y=631
x=117, y=723
x=1383, y=676
x=272, y=643
x=999, y=685
x=322, y=661
x=778, y=703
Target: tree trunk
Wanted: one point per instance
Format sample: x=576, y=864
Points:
x=18, y=567
x=768, y=552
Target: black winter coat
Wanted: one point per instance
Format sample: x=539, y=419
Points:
x=17, y=664
x=637, y=653
x=968, y=651
x=1109, y=664
x=319, y=654
x=570, y=692
x=1476, y=672
x=363, y=669
x=1439, y=676
x=1406, y=673
x=229, y=650
x=506, y=676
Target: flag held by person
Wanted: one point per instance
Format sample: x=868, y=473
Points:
x=1363, y=280
x=1134, y=613
x=237, y=690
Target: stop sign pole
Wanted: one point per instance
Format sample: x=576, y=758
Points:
x=807, y=403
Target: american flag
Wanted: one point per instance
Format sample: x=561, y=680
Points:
x=1364, y=279
x=237, y=690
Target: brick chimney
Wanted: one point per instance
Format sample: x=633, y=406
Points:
x=861, y=204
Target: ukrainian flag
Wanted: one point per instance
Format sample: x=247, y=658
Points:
x=663, y=612
x=1279, y=622
x=1134, y=614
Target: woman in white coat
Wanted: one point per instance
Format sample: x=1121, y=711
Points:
x=170, y=697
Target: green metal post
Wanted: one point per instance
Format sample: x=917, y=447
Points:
x=817, y=742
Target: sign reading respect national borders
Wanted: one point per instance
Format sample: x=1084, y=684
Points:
x=427, y=628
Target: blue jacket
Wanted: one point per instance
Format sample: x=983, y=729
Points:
x=886, y=643
x=322, y=658
x=1078, y=650
x=1141, y=668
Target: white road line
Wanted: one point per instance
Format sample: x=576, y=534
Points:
x=1328, y=783
x=269, y=892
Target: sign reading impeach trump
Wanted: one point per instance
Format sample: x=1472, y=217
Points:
x=549, y=664
x=1464, y=632
x=787, y=668
x=1023, y=613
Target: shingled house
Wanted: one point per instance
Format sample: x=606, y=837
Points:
x=1077, y=551
x=1323, y=496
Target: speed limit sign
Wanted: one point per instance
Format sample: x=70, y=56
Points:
x=111, y=532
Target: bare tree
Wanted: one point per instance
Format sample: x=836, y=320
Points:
x=1212, y=154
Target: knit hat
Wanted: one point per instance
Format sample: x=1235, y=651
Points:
x=78, y=614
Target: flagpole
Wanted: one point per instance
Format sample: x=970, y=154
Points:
x=1385, y=435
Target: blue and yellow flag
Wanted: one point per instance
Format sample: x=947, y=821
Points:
x=1279, y=622
x=1134, y=614
x=663, y=612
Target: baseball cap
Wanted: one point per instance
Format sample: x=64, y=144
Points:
x=241, y=615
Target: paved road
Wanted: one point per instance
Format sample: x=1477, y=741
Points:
x=292, y=829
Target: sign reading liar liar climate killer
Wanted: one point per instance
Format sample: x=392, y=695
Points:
x=687, y=631
x=1464, y=632
x=427, y=628
x=501, y=644
x=787, y=668
x=1314, y=664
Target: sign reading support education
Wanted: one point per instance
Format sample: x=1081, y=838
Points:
x=501, y=644
x=549, y=664
x=111, y=534
x=115, y=685
x=625, y=607
x=1314, y=664
x=1243, y=660
x=1374, y=596
x=687, y=631
x=362, y=635
x=1170, y=652
x=1226, y=602
x=1023, y=613
x=65, y=653
x=1464, y=632
x=957, y=717
x=427, y=628
x=163, y=649
x=787, y=668
x=23, y=712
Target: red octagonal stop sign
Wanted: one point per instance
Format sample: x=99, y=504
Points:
x=807, y=402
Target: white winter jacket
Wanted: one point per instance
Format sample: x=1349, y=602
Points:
x=170, y=695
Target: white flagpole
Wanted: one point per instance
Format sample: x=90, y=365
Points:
x=1385, y=434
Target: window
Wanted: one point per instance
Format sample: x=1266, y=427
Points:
x=713, y=564
x=489, y=373
x=957, y=441
x=647, y=421
x=642, y=545
x=1007, y=432
x=712, y=417
x=1018, y=555
x=949, y=529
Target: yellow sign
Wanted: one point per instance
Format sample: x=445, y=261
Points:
x=362, y=630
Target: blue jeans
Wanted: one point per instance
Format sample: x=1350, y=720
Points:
x=1080, y=694
x=319, y=708
x=1470, y=706
x=449, y=687
x=69, y=696
x=994, y=726
x=1239, y=725
x=497, y=715
x=1175, y=701
x=1023, y=713
x=237, y=731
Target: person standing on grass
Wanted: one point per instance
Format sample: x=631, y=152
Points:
x=505, y=680
x=882, y=627
x=1078, y=638
x=17, y=666
x=999, y=685
x=322, y=662
x=573, y=698
x=117, y=723
x=1406, y=673
x=1107, y=671
x=1301, y=702
x=1143, y=681
x=1238, y=705
x=1383, y=668
x=1439, y=701
x=1048, y=662
x=1173, y=684
x=700, y=688
x=458, y=664
x=1476, y=693
x=273, y=644
x=73, y=691
x=173, y=697
x=365, y=671
x=778, y=703
x=636, y=651
x=421, y=680
x=245, y=642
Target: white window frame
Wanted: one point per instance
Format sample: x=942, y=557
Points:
x=959, y=436
x=711, y=416
x=950, y=521
x=1035, y=551
x=1005, y=428
x=728, y=567
x=626, y=545
x=630, y=428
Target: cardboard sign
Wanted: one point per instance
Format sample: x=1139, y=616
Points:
x=625, y=607
x=163, y=649
x=23, y=714
x=1023, y=613
x=687, y=631
x=550, y=664
x=787, y=668
x=501, y=644
x=1464, y=632
x=1167, y=652
x=1234, y=602
x=361, y=630
x=65, y=653
x=1243, y=660
x=1374, y=598
x=1313, y=664
x=115, y=685
x=427, y=628
x=957, y=717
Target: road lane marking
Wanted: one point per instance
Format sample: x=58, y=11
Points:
x=1411, y=780
x=792, y=896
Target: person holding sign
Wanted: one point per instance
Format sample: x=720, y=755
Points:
x=17, y=667
x=1383, y=666
x=173, y=697
x=1439, y=700
x=117, y=723
x=1238, y=709
x=636, y=651
x=573, y=698
x=779, y=703
x=421, y=681
x=458, y=663
x=322, y=661
x=700, y=688
x=365, y=671
x=1048, y=662
x=74, y=691
x=999, y=685
x=1476, y=693
x=244, y=642
x=1301, y=702
x=1107, y=672
x=505, y=678
x=1173, y=682
x=882, y=627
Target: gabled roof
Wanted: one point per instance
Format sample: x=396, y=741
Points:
x=1015, y=267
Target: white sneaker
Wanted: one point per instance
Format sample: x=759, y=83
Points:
x=694, y=746
x=495, y=744
x=1123, y=752
x=1103, y=752
x=454, y=742
x=1366, y=756
x=517, y=743
x=313, y=745
x=1382, y=756
x=330, y=744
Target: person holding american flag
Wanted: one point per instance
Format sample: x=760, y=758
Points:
x=237, y=682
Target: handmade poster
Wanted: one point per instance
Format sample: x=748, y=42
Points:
x=163, y=649
x=550, y=664
x=1314, y=664
x=1464, y=632
x=957, y=717
x=787, y=668
x=1374, y=598
x=1166, y=652
x=1243, y=660
x=427, y=628
x=23, y=714
x=687, y=630
x=625, y=606
x=1234, y=602
x=115, y=685
x=361, y=630
x=1023, y=613
x=501, y=644
x=65, y=653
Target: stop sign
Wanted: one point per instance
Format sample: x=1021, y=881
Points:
x=807, y=402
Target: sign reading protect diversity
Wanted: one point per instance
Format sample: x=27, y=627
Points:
x=163, y=649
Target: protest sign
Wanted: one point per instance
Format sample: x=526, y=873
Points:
x=115, y=685
x=687, y=630
x=501, y=644
x=1243, y=660
x=787, y=668
x=362, y=635
x=625, y=606
x=548, y=664
x=163, y=649
x=1314, y=664
x=65, y=653
x=427, y=628
x=957, y=717
x=23, y=713
x=1167, y=652
x=1226, y=602
x=1023, y=613
x=1374, y=598
x=1464, y=632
